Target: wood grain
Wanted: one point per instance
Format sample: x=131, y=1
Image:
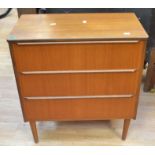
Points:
x=125, y=128
x=93, y=133
x=74, y=56
x=79, y=109
x=78, y=84
x=88, y=26
x=34, y=131
x=77, y=56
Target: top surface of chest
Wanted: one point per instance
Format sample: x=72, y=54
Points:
x=88, y=26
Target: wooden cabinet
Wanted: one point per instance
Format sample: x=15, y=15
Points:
x=78, y=66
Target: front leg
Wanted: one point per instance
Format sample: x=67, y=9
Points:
x=34, y=131
x=125, y=128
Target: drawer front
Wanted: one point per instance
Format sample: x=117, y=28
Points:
x=79, y=109
x=86, y=56
x=78, y=84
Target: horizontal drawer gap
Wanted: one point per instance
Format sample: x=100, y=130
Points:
x=80, y=71
x=78, y=42
x=77, y=97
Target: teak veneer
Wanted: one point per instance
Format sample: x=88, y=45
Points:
x=78, y=66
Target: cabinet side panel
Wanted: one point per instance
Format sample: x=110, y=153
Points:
x=141, y=64
x=16, y=77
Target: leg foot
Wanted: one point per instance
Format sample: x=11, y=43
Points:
x=125, y=128
x=34, y=131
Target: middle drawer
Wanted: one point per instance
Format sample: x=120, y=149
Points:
x=77, y=84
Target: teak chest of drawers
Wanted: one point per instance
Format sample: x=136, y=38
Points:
x=78, y=66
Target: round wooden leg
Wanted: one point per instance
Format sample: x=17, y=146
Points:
x=125, y=128
x=34, y=131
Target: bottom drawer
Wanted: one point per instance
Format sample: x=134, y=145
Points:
x=79, y=109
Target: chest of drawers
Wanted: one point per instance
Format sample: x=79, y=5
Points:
x=78, y=66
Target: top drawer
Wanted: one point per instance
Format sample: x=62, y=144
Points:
x=37, y=56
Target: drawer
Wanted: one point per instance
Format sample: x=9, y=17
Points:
x=77, y=56
x=79, y=109
x=78, y=84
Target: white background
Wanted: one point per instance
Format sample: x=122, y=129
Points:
x=77, y=3
x=77, y=150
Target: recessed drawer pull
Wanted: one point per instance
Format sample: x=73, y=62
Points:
x=80, y=71
x=78, y=42
x=77, y=97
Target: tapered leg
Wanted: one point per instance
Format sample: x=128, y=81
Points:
x=125, y=128
x=34, y=131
